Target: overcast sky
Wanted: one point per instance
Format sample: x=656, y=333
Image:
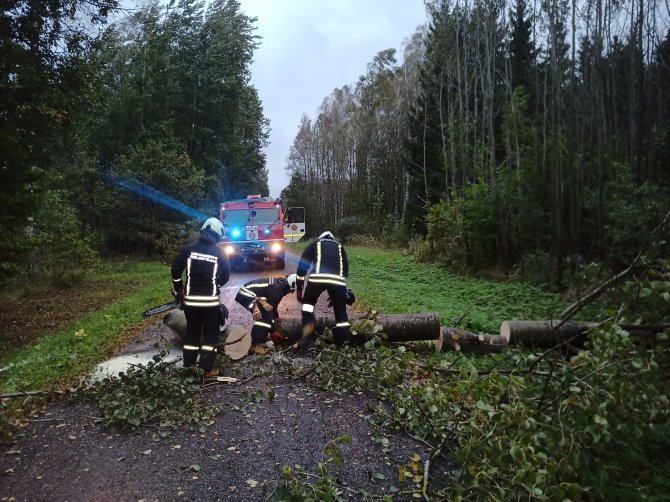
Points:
x=311, y=47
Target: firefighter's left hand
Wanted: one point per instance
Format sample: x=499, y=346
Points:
x=265, y=304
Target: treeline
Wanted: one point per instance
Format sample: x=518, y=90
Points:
x=113, y=136
x=532, y=134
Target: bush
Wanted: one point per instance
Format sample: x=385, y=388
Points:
x=61, y=249
x=346, y=228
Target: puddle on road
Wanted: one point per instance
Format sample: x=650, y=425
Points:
x=118, y=364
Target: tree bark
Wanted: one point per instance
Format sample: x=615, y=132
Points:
x=549, y=333
x=541, y=333
x=396, y=327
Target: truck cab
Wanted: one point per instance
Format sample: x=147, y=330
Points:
x=254, y=230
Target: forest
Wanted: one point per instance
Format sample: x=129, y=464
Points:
x=529, y=136
x=526, y=137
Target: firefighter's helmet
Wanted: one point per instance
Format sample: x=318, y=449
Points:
x=291, y=280
x=214, y=226
x=327, y=235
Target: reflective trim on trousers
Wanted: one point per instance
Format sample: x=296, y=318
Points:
x=325, y=275
x=306, y=307
x=188, y=302
x=191, y=347
x=263, y=324
x=342, y=325
x=207, y=348
x=319, y=280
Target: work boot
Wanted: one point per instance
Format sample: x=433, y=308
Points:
x=306, y=342
x=214, y=372
x=258, y=348
x=307, y=329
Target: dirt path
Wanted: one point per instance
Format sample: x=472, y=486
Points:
x=63, y=455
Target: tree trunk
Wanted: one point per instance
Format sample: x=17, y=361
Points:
x=396, y=327
x=551, y=333
x=540, y=333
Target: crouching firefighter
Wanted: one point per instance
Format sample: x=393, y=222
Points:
x=328, y=266
x=261, y=297
x=207, y=269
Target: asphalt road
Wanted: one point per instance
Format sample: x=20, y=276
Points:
x=64, y=454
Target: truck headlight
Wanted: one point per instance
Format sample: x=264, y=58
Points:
x=276, y=247
x=229, y=250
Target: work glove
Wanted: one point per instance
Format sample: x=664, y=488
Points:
x=277, y=338
x=350, y=297
x=256, y=312
x=178, y=295
x=298, y=295
x=223, y=314
x=265, y=304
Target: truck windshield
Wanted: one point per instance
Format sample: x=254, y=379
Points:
x=266, y=216
x=236, y=217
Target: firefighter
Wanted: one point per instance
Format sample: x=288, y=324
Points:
x=207, y=269
x=261, y=297
x=329, y=270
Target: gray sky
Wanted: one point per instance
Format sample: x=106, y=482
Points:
x=309, y=48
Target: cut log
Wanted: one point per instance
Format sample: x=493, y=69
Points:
x=549, y=333
x=234, y=340
x=543, y=333
x=466, y=341
x=396, y=327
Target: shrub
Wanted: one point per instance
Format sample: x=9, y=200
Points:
x=348, y=227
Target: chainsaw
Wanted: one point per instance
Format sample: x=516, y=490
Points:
x=175, y=304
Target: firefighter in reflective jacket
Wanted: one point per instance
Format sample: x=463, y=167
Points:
x=207, y=269
x=329, y=270
x=261, y=297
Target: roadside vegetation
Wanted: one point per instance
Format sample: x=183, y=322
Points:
x=522, y=424
x=57, y=332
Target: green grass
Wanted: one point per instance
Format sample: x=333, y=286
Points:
x=385, y=280
x=63, y=356
x=390, y=282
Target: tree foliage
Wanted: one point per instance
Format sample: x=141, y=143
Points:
x=162, y=97
x=543, y=126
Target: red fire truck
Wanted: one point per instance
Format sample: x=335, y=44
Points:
x=256, y=229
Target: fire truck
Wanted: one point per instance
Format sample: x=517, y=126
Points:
x=256, y=229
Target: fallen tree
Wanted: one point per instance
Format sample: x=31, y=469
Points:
x=400, y=328
x=396, y=327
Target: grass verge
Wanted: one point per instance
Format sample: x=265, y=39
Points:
x=391, y=282
x=57, y=358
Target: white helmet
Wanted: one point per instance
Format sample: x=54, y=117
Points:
x=214, y=226
x=327, y=235
x=291, y=280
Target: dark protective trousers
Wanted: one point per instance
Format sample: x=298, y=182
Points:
x=202, y=336
x=338, y=294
